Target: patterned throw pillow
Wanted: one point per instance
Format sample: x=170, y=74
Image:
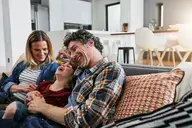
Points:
x=145, y=93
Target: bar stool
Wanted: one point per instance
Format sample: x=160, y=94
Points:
x=114, y=49
x=106, y=49
x=126, y=52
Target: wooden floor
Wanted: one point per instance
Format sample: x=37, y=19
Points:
x=165, y=63
x=165, y=60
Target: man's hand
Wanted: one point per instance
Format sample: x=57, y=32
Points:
x=37, y=104
x=50, y=111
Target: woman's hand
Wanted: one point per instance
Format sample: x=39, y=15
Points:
x=23, y=88
x=29, y=87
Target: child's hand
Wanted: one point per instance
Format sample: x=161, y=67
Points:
x=37, y=93
x=62, y=54
x=32, y=94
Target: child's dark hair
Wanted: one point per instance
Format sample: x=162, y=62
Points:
x=72, y=82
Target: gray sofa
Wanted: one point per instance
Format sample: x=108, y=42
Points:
x=134, y=69
x=171, y=115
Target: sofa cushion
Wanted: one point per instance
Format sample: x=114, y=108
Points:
x=186, y=84
x=145, y=93
x=174, y=115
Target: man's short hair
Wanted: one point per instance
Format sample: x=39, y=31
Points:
x=84, y=37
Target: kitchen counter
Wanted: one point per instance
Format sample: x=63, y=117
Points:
x=156, y=31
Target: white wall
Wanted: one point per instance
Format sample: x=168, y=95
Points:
x=2, y=43
x=125, y=11
x=132, y=13
x=17, y=27
x=136, y=19
x=56, y=15
x=20, y=17
x=98, y=13
x=175, y=11
x=72, y=11
x=75, y=11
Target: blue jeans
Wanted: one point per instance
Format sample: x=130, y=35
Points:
x=8, y=123
x=2, y=113
x=32, y=121
x=21, y=112
x=19, y=117
x=37, y=122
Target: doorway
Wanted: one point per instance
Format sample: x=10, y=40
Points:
x=113, y=17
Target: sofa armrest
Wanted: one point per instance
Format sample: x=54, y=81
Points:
x=7, y=73
x=21, y=58
x=135, y=69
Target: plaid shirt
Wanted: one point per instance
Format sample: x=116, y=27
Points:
x=95, y=95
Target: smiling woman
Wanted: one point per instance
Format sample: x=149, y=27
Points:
x=39, y=49
x=39, y=65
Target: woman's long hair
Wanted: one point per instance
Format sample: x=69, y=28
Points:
x=34, y=37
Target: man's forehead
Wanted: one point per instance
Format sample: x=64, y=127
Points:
x=73, y=43
x=70, y=45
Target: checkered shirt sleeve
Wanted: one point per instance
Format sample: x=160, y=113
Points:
x=100, y=97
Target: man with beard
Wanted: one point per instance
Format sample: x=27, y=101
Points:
x=98, y=87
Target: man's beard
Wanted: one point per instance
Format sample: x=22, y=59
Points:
x=85, y=64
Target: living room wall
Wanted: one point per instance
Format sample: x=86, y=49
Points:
x=98, y=13
x=175, y=11
x=2, y=43
x=72, y=11
x=76, y=11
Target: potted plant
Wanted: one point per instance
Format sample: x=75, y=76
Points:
x=125, y=27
